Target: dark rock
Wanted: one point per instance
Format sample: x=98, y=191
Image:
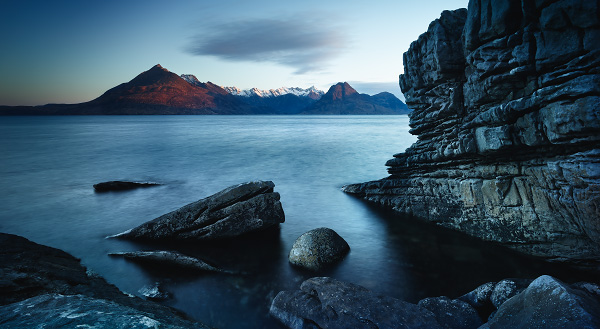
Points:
x=452, y=314
x=548, y=303
x=154, y=292
x=170, y=259
x=506, y=107
x=318, y=248
x=480, y=297
x=328, y=303
x=506, y=289
x=121, y=186
x=236, y=210
x=79, y=311
x=29, y=270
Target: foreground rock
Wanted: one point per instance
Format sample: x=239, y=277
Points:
x=318, y=248
x=545, y=303
x=236, y=210
x=328, y=303
x=170, y=259
x=506, y=105
x=54, y=282
x=121, y=186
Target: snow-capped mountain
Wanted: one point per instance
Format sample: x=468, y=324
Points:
x=311, y=92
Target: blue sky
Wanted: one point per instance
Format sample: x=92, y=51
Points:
x=73, y=51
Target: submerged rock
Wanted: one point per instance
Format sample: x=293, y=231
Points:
x=318, y=248
x=121, y=186
x=506, y=108
x=548, y=303
x=169, y=258
x=61, y=292
x=236, y=210
x=328, y=303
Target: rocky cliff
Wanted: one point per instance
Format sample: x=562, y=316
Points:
x=506, y=106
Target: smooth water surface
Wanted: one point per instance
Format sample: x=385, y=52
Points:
x=49, y=165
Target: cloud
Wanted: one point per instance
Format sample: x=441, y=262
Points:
x=301, y=43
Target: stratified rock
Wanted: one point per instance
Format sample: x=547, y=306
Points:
x=79, y=311
x=236, y=210
x=121, y=186
x=452, y=314
x=318, y=248
x=506, y=104
x=169, y=258
x=548, y=303
x=61, y=283
x=328, y=303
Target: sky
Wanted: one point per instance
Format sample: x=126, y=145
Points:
x=68, y=51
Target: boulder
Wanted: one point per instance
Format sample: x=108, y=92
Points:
x=236, y=210
x=121, y=186
x=154, y=292
x=169, y=259
x=548, y=303
x=318, y=248
x=507, y=288
x=328, y=303
x=452, y=313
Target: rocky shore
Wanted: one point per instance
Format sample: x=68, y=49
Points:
x=44, y=286
x=505, y=99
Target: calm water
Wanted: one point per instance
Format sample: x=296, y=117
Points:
x=49, y=164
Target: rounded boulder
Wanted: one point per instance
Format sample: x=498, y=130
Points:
x=318, y=248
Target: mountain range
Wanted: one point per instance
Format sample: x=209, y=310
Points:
x=159, y=91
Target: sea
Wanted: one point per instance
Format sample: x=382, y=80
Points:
x=49, y=164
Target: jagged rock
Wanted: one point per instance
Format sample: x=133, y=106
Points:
x=169, y=258
x=236, y=210
x=328, y=303
x=318, y=248
x=505, y=100
x=154, y=292
x=548, y=303
x=79, y=311
x=452, y=314
x=51, y=280
x=480, y=297
x=121, y=186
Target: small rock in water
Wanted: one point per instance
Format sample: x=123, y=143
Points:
x=317, y=248
x=169, y=258
x=121, y=186
x=154, y=292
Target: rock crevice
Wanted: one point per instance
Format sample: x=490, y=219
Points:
x=506, y=106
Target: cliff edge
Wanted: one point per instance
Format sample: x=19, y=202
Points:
x=506, y=106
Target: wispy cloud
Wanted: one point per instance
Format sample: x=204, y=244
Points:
x=305, y=44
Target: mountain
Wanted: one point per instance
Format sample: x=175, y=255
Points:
x=277, y=101
x=156, y=91
x=341, y=98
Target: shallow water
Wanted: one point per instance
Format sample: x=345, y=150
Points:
x=49, y=165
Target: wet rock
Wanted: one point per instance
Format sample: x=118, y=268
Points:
x=480, y=297
x=548, y=303
x=170, y=259
x=318, y=248
x=328, y=303
x=506, y=289
x=452, y=314
x=236, y=210
x=154, y=292
x=121, y=186
x=50, y=279
x=79, y=311
x=506, y=109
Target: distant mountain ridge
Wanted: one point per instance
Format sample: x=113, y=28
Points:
x=159, y=91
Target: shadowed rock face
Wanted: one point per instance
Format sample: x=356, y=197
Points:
x=506, y=104
x=232, y=212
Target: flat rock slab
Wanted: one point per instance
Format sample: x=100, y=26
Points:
x=318, y=248
x=170, y=259
x=122, y=186
x=236, y=210
x=328, y=303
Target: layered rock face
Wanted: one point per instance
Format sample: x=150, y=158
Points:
x=506, y=104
